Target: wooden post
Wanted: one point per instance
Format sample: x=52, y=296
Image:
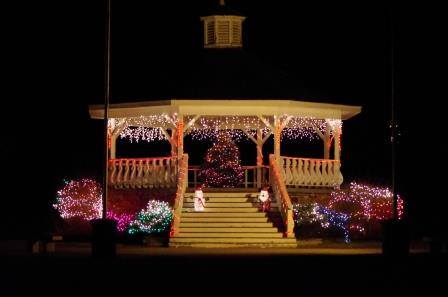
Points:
x=180, y=136
x=277, y=135
x=327, y=141
x=173, y=142
x=337, y=135
x=259, y=156
x=113, y=146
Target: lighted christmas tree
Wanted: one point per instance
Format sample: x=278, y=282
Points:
x=222, y=164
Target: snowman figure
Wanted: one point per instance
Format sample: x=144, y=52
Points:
x=199, y=200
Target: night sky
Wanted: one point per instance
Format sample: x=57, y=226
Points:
x=55, y=69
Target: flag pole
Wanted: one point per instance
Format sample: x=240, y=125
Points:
x=106, y=111
x=393, y=125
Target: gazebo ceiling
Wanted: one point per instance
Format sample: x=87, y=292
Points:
x=229, y=108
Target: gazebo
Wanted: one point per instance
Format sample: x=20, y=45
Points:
x=238, y=96
x=255, y=119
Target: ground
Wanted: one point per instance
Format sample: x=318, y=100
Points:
x=332, y=270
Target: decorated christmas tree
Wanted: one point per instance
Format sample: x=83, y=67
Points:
x=222, y=164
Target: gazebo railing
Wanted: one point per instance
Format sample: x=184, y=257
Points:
x=311, y=172
x=281, y=196
x=143, y=173
x=250, y=176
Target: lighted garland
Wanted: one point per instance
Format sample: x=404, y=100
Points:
x=80, y=198
x=155, y=218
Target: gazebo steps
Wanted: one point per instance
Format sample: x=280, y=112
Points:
x=217, y=220
x=230, y=219
x=233, y=242
x=228, y=214
x=225, y=209
x=223, y=204
x=230, y=234
x=215, y=224
x=225, y=195
x=206, y=230
x=225, y=200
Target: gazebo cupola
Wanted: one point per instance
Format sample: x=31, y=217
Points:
x=223, y=30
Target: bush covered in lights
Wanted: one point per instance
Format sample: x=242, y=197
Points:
x=80, y=199
x=155, y=218
x=318, y=219
x=367, y=207
x=356, y=211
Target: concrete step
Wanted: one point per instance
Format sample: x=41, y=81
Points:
x=228, y=230
x=222, y=204
x=225, y=209
x=200, y=214
x=215, y=224
x=192, y=235
x=234, y=245
x=234, y=240
x=224, y=199
x=216, y=220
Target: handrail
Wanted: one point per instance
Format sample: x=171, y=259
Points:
x=281, y=194
x=182, y=182
x=310, y=159
x=138, y=159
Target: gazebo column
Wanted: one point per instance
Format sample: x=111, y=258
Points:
x=259, y=141
x=112, y=146
x=173, y=142
x=259, y=156
x=327, y=141
x=172, y=139
x=277, y=136
x=117, y=129
x=180, y=136
x=337, y=142
x=278, y=128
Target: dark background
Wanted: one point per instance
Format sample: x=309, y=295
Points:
x=54, y=68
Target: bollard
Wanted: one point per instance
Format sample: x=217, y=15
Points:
x=104, y=238
x=396, y=240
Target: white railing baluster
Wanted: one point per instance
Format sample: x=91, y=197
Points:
x=146, y=173
x=310, y=172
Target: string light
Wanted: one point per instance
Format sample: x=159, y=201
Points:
x=148, y=128
x=155, y=218
x=142, y=133
x=81, y=199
